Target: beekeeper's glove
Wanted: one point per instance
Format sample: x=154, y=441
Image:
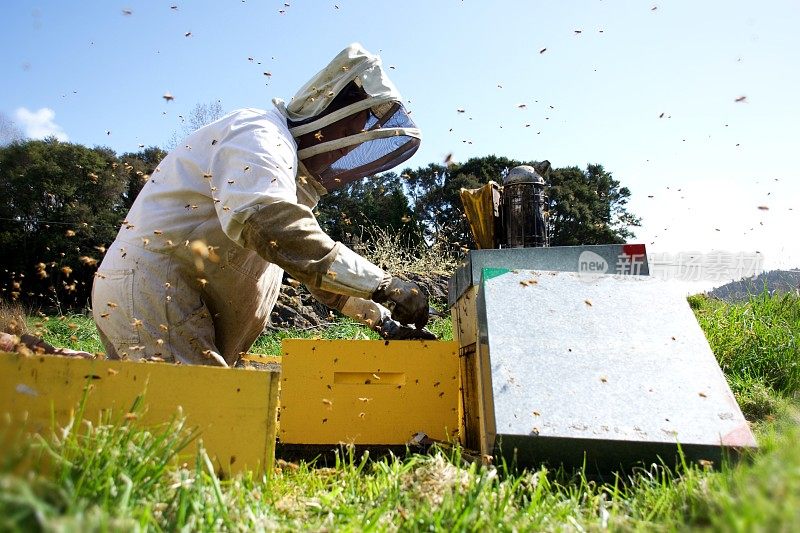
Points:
x=406, y=301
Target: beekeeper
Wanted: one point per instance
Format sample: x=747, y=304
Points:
x=197, y=265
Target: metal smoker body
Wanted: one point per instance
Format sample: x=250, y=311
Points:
x=523, y=214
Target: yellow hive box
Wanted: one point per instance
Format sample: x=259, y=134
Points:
x=234, y=410
x=368, y=392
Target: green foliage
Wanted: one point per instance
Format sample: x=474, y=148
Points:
x=435, y=192
x=588, y=207
x=63, y=205
x=352, y=213
x=136, y=168
x=585, y=207
x=61, y=200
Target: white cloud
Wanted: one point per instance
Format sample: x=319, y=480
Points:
x=40, y=124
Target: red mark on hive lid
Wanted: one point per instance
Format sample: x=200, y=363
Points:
x=633, y=249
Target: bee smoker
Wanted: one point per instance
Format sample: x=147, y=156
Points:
x=522, y=217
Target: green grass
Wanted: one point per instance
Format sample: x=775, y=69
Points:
x=79, y=332
x=115, y=476
x=74, y=331
x=118, y=477
x=757, y=345
x=343, y=328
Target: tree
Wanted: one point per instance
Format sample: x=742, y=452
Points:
x=585, y=207
x=588, y=207
x=351, y=213
x=435, y=190
x=199, y=116
x=62, y=206
x=136, y=168
x=9, y=131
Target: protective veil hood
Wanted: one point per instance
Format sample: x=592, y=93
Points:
x=388, y=137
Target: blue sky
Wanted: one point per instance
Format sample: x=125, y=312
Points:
x=609, y=69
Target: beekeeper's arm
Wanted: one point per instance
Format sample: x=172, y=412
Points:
x=256, y=202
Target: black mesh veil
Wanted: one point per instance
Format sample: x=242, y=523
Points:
x=375, y=155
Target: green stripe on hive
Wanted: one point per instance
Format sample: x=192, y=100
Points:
x=489, y=273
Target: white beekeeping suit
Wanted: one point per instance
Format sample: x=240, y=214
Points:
x=196, y=267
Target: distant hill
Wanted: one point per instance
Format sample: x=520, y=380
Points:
x=775, y=281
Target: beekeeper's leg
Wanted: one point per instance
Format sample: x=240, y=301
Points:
x=245, y=317
x=112, y=309
x=140, y=316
